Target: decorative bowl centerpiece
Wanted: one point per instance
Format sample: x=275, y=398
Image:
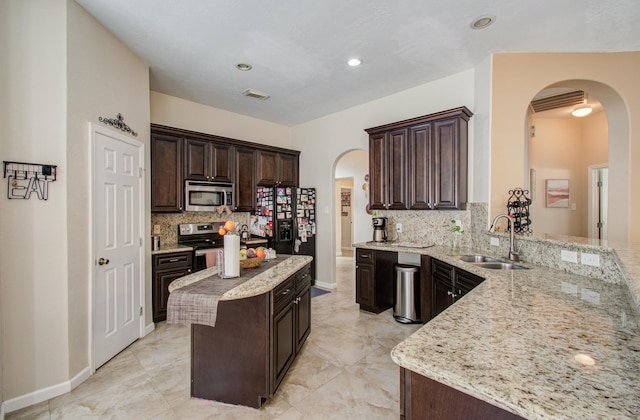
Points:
x=251, y=262
x=252, y=258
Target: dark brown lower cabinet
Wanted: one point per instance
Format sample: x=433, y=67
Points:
x=448, y=284
x=243, y=359
x=424, y=398
x=374, y=279
x=167, y=268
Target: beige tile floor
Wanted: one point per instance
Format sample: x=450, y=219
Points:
x=343, y=371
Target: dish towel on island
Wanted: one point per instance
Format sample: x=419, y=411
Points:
x=210, y=256
x=197, y=303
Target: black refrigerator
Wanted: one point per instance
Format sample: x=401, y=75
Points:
x=286, y=216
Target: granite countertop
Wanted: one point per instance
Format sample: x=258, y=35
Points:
x=540, y=342
x=254, y=285
x=169, y=248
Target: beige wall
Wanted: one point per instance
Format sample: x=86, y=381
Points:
x=612, y=78
x=176, y=112
x=4, y=132
x=104, y=78
x=64, y=71
x=33, y=251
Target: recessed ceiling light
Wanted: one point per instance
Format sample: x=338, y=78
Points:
x=354, y=62
x=244, y=66
x=482, y=22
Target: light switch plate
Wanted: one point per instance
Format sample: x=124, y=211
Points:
x=156, y=229
x=569, y=256
x=590, y=259
x=495, y=242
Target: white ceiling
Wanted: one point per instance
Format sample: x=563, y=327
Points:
x=299, y=48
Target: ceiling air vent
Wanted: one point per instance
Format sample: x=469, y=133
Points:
x=558, y=101
x=252, y=93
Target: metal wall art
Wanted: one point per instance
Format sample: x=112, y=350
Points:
x=518, y=210
x=25, y=179
x=118, y=122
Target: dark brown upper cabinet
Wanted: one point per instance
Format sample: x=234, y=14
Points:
x=420, y=163
x=245, y=179
x=276, y=168
x=178, y=154
x=166, y=173
x=388, y=170
x=208, y=161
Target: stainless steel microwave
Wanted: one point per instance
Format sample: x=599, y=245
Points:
x=207, y=196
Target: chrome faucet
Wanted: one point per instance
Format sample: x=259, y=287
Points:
x=513, y=256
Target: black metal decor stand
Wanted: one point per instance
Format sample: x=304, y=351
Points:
x=518, y=210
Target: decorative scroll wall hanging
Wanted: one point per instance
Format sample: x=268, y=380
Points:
x=25, y=179
x=118, y=122
x=518, y=209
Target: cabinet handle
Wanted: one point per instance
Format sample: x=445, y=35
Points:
x=174, y=260
x=286, y=292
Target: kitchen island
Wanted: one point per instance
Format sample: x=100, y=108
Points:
x=536, y=343
x=241, y=353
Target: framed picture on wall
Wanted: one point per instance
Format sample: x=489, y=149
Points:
x=557, y=191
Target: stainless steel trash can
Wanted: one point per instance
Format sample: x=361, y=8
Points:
x=406, y=294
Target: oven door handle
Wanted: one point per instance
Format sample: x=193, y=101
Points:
x=201, y=252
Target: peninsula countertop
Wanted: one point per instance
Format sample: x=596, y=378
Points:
x=540, y=343
x=254, y=284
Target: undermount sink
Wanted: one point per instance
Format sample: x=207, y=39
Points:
x=500, y=266
x=489, y=262
x=476, y=258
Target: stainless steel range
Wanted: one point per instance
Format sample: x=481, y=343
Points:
x=202, y=237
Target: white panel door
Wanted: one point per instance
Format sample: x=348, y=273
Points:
x=117, y=243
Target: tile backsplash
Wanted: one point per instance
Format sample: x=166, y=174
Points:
x=539, y=249
x=168, y=222
x=434, y=227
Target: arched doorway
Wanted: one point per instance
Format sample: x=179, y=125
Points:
x=617, y=133
x=567, y=149
x=351, y=196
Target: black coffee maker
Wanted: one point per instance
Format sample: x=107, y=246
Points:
x=379, y=229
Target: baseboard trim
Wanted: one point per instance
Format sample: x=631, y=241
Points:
x=149, y=328
x=2, y=410
x=45, y=394
x=324, y=285
x=82, y=376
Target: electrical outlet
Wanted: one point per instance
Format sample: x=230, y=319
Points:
x=458, y=223
x=590, y=259
x=399, y=227
x=590, y=296
x=156, y=229
x=569, y=256
x=495, y=242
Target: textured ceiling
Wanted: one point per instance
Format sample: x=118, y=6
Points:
x=299, y=48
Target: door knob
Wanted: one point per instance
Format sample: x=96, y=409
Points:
x=103, y=261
